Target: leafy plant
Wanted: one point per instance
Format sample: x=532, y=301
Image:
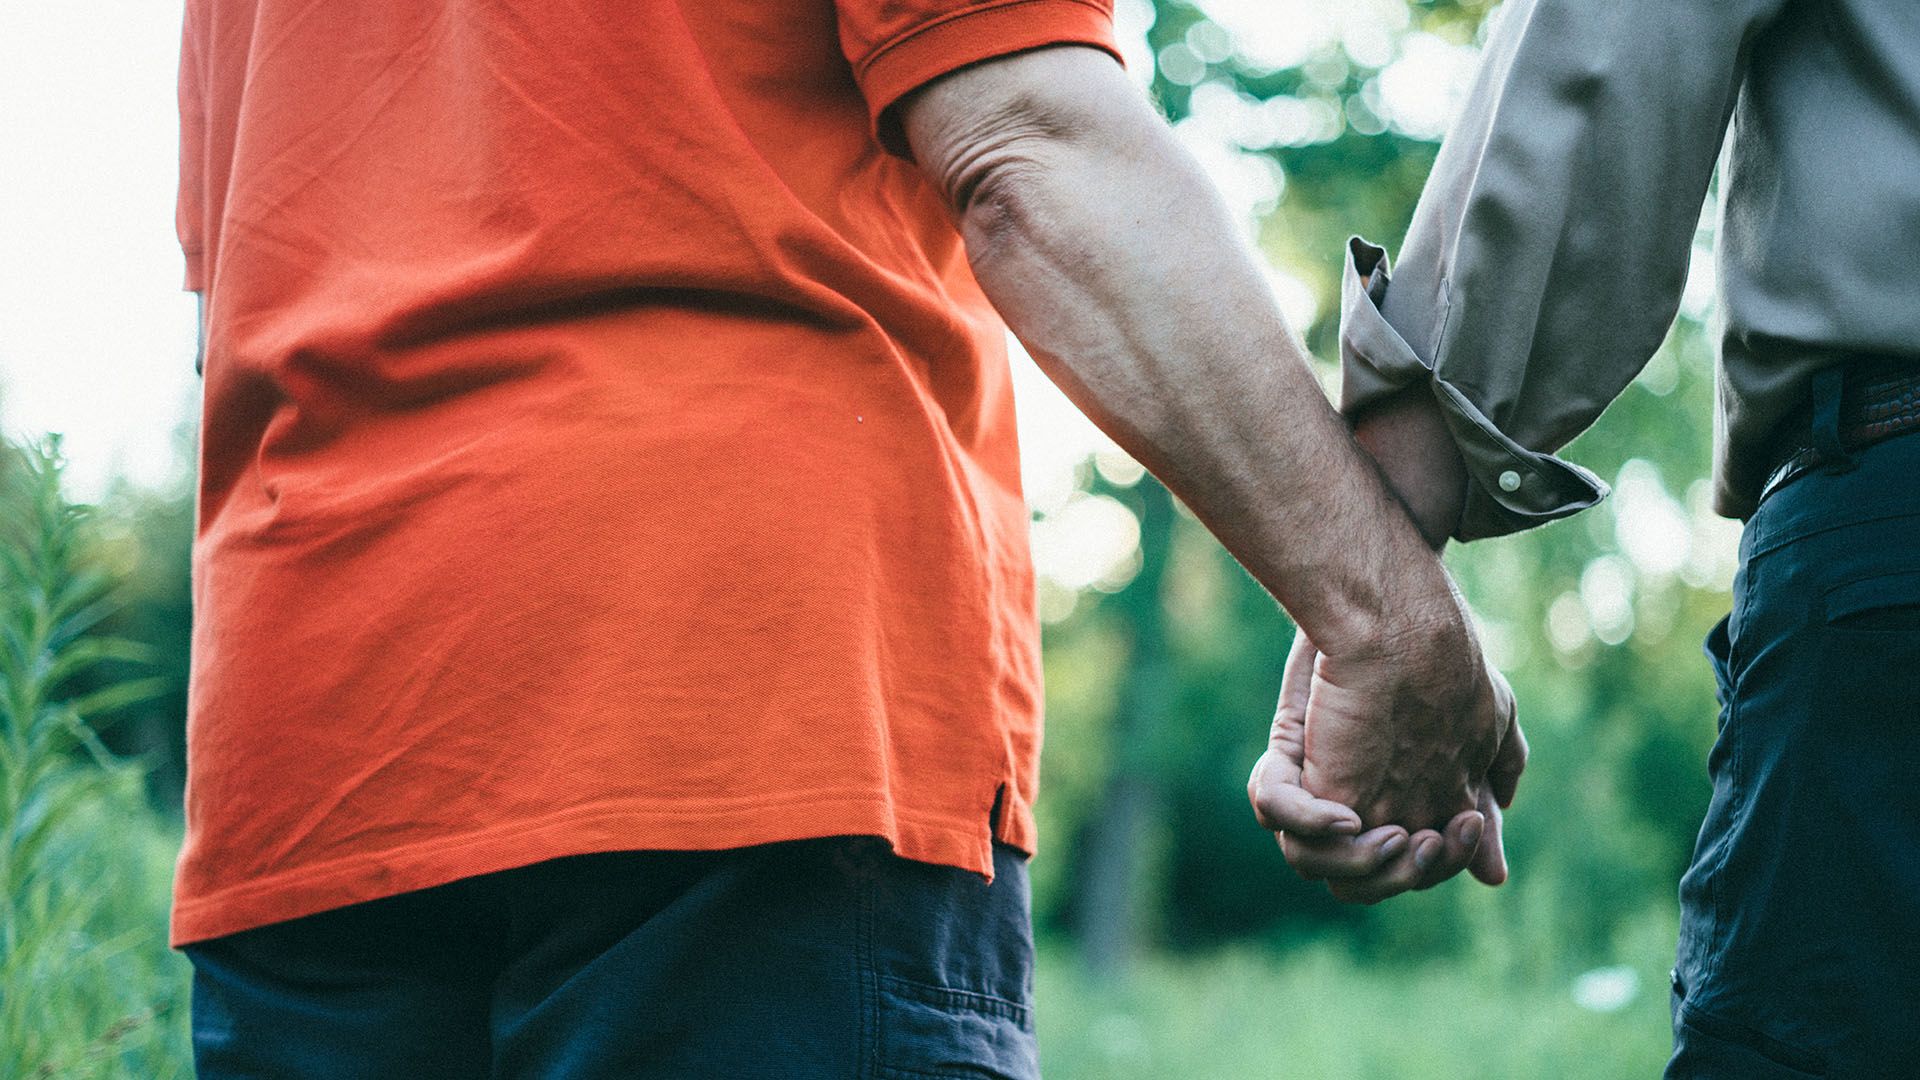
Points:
x=85, y=976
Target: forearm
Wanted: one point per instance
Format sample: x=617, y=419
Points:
x=1111, y=257
x=1546, y=259
x=1408, y=438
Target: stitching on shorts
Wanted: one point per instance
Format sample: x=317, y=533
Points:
x=1785, y=1055
x=869, y=1055
x=1736, y=774
x=889, y=1071
x=950, y=998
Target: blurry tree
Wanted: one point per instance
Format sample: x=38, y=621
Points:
x=149, y=532
x=1115, y=840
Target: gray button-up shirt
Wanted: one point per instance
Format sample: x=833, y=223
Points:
x=1547, y=257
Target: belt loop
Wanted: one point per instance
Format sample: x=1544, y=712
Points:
x=1831, y=453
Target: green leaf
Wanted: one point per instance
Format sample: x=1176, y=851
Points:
x=120, y=695
x=76, y=656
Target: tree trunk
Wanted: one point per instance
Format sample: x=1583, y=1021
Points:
x=1112, y=890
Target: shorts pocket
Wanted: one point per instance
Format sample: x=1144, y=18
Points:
x=1870, y=676
x=1884, y=603
x=950, y=970
x=935, y=1031
x=1708, y=1047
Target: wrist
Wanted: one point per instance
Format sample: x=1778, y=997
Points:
x=1408, y=439
x=1414, y=611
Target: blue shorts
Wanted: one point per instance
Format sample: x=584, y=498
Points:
x=816, y=958
x=1800, y=916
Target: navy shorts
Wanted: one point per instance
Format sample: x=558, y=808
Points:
x=1800, y=916
x=817, y=958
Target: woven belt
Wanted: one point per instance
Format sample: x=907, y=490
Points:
x=1875, y=402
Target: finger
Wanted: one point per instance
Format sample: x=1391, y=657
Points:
x=1454, y=848
x=1344, y=857
x=1490, y=861
x=1280, y=804
x=1288, y=808
x=1296, y=680
x=1399, y=875
x=1508, y=764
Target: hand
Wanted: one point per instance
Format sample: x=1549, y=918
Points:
x=1323, y=839
x=1342, y=752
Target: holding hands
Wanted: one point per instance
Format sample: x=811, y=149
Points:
x=1160, y=325
x=1379, y=778
x=1389, y=765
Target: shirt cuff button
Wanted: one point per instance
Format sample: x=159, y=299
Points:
x=1509, y=481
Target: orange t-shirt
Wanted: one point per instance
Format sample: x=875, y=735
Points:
x=605, y=444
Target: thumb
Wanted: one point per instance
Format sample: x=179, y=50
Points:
x=1279, y=801
x=1489, y=863
x=1283, y=806
x=1503, y=776
x=1296, y=686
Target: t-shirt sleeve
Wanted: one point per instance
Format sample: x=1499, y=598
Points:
x=896, y=46
x=190, y=204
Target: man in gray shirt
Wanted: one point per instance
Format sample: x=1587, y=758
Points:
x=1543, y=269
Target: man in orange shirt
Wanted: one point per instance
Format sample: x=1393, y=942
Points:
x=614, y=642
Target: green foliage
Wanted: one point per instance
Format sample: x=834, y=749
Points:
x=146, y=536
x=87, y=986
x=1317, y=1014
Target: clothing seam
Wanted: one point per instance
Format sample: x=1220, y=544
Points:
x=345, y=865
x=873, y=55
x=1736, y=782
x=1884, y=512
x=870, y=1015
x=1734, y=1033
x=953, y=997
x=887, y=1071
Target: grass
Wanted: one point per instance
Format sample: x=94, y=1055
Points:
x=1316, y=1014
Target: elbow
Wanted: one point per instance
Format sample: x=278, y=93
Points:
x=991, y=147
x=1001, y=139
x=997, y=181
x=1019, y=147
x=1001, y=195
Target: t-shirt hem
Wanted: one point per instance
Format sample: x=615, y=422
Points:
x=969, y=36
x=923, y=837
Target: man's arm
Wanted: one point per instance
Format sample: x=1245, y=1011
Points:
x=1546, y=260
x=1107, y=251
x=1542, y=270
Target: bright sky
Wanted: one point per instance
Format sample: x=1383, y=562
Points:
x=96, y=337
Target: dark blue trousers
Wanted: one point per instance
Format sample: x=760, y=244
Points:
x=821, y=958
x=1799, y=946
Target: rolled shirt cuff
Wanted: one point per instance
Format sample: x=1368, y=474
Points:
x=1511, y=488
